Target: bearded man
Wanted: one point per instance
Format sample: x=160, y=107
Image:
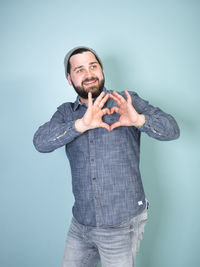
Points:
x=101, y=133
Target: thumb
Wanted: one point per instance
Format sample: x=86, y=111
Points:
x=114, y=109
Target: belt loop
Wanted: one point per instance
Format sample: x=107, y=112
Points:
x=147, y=204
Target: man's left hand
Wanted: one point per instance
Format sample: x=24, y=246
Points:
x=128, y=115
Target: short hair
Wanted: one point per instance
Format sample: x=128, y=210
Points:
x=80, y=51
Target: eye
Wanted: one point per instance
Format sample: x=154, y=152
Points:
x=93, y=67
x=79, y=71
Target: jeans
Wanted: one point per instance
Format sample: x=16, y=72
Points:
x=114, y=246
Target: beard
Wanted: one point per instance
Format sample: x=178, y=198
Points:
x=94, y=89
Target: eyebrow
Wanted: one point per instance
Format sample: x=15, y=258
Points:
x=91, y=63
x=77, y=68
x=95, y=62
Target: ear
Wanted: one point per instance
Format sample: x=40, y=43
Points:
x=69, y=79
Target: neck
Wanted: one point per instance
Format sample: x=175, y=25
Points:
x=83, y=100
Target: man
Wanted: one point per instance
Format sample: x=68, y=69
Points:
x=101, y=134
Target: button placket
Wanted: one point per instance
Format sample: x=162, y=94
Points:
x=94, y=176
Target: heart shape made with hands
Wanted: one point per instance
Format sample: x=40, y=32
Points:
x=128, y=115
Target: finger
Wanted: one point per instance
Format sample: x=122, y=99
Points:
x=120, y=97
x=129, y=99
x=105, y=125
x=115, y=125
x=89, y=99
x=104, y=100
x=106, y=111
x=115, y=99
x=99, y=98
x=114, y=109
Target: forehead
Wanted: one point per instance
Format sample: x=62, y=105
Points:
x=84, y=58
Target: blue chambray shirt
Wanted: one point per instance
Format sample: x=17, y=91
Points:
x=106, y=179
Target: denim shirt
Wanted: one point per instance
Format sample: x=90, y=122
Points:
x=106, y=180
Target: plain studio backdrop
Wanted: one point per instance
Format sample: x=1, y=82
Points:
x=151, y=47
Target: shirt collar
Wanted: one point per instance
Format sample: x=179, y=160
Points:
x=78, y=102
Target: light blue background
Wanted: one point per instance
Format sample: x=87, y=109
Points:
x=151, y=47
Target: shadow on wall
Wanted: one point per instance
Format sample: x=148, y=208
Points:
x=151, y=176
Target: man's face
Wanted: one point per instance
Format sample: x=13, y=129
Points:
x=86, y=75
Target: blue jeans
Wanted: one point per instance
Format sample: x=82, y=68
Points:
x=114, y=246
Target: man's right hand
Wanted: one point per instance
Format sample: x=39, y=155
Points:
x=93, y=115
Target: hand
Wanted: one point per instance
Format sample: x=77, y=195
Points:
x=93, y=115
x=128, y=115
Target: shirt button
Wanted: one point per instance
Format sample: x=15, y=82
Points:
x=92, y=159
x=94, y=178
x=91, y=141
x=96, y=197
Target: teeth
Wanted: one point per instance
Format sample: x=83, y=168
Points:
x=90, y=82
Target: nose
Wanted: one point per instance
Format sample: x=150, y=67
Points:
x=88, y=73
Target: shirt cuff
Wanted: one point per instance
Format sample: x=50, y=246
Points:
x=148, y=126
x=72, y=130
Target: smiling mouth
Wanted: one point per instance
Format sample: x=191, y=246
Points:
x=92, y=82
